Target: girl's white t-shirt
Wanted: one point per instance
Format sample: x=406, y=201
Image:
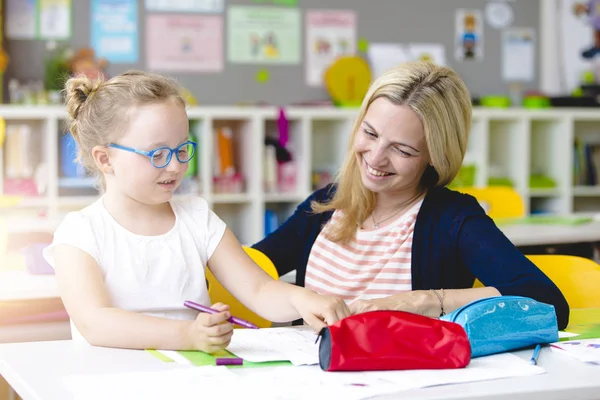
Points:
x=152, y=275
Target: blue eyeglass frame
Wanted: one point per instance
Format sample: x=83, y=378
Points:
x=150, y=154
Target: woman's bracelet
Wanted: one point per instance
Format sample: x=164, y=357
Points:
x=441, y=299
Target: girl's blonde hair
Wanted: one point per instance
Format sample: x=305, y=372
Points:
x=443, y=103
x=98, y=109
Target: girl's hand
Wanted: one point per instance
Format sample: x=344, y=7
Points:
x=211, y=332
x=319, y=311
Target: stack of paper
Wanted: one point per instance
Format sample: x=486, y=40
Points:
x=297, y=345
x=290, y=383
x=584, y=350
x=310, y=380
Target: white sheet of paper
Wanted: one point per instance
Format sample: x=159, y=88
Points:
x=562, y=335
x=383, y=56
x=179, y=383
x=587, y=350
x=295, y=344
x=309, y=381
x=518, y=54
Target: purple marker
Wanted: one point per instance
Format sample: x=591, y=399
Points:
x=229, y=361
x=233, y=320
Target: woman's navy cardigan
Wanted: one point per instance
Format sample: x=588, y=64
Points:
x=454, y=242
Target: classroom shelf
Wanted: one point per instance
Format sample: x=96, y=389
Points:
x=503, y=143
x=550, y=192
x=284, y=198
x=586, y=191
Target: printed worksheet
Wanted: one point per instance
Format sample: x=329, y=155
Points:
x=294, y=344
x=587, y=350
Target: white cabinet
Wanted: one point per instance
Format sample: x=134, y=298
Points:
x=514, y=145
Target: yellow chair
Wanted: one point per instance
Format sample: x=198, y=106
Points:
x=498, y=201
x=218, y=294
x=577, y=278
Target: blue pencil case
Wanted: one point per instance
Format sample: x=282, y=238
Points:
x=505, y=323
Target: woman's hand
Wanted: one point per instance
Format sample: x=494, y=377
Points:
x=319, y=311
x=211, y=332
x=416, y=302
x=363, y=306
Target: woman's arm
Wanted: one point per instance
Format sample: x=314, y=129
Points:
x=492, y=259
x=425, y=302
x=496, y=262
x=274, y=300
x=88, y=303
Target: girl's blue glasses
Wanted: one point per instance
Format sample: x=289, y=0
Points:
x=162, y=156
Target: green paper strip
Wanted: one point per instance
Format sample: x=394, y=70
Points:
x=289, y=3
x=160, y=356
x=585, y=322
x=201, y=359
x=544, y=220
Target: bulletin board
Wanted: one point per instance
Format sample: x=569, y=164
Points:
x=405, y=21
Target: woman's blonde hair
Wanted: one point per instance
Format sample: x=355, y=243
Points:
x=98, y=109
x=443, y=103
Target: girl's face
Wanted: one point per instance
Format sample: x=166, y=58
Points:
x=390, y=148
x=150, y=127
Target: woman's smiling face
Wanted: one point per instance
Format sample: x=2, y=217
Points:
x=390, y=148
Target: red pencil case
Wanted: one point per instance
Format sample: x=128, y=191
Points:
x=392, y=340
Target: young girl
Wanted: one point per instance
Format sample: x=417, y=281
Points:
x=126, y=264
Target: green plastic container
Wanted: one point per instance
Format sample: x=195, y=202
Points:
x=536, y=102
x=495, y=101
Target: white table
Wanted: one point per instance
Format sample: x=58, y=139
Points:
x=545, y=234
x=21, y=287
x=36, y=371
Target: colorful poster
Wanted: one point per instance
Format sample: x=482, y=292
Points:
x=38, y=19
x=469, y=35
x=115, y=30
x=185, y=43
x=55, y=19
x=518, y=55
x=263, y=35
x=329, y=34
x=199, y=6
x=20, y=19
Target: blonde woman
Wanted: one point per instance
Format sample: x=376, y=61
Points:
x=388, y=234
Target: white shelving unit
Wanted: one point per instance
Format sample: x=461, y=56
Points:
x=512, y=143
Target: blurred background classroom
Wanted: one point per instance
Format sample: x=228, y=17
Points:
x=273, y=87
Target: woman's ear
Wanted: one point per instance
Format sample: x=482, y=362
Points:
x=102, y=159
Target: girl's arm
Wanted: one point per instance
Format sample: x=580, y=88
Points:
x=274, y=300
x=88, y=303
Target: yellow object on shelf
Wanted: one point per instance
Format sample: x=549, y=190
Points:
x=347, y=80
x=9, y=201
x=218, y=294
